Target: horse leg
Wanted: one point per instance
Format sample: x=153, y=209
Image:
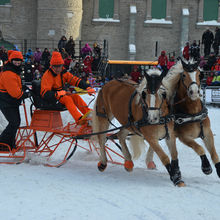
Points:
x=209, y=143
x=100, y=124
x=205, y=166
x=128, y=165
x=171, y=143
x=149, y=159
x=166, y=162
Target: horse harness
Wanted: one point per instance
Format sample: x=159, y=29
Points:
x=184, y=118
x=142, y=122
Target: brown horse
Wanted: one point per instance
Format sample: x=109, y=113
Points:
x=182, y=86
x=144, y=113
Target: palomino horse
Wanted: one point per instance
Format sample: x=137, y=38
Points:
x=146, y=114
x=182, y=86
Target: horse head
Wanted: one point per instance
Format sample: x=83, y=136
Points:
x=154, y=102
x=190, y=81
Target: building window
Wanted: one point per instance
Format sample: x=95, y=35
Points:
x=3, y=2
x=106, y=11
x=210, y=10
x=106, y=8
x=158, y=12
x=158, y=9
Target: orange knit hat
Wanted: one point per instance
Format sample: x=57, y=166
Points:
x=9, y=52
x=56, y=59
x=15, y=55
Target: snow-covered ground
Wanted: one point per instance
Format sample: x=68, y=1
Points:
x=78, y=191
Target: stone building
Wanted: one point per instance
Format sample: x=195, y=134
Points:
x=134, y=29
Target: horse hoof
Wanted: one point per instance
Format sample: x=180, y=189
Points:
x=151, y=165
x=128, y=165
x=217, y=166
x=207, y=170
x=181, y=184
x=206, y=167
x=101, y=166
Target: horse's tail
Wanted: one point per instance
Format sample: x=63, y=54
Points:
x=136, y=145
x=95, y=122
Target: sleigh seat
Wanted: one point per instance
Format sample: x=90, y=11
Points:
x=41, y=103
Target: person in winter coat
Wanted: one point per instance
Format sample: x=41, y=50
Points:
x=88, y=64
x=45, y=58
x=209, y=79
x=186, y=51
x=216, y=42
x=216, y=79
x=62, y=43
x=52, y=88
x=67, y=62
x=86, y=50
x=202, y=62
x=171, y=62
x=28, y=71
x=210, y=62
x=37, y=55
x=97, y=50
x=29, y=55
x=11, y=95
x=163, y=60
x=70, y=47
x=135, y=74
x=207, y=40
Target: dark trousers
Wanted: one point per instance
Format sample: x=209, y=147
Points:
x=12, y=115
x=207, y=48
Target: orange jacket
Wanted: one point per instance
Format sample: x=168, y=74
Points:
x=51, y=82
x=10, y=88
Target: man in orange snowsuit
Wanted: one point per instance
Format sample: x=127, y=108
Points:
x=11, y=95
x=52, y=88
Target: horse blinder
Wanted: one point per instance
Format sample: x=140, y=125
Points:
x=153, y=83
x=190, y=67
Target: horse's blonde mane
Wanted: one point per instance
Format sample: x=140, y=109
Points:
x=170, y=80
x=154, y=72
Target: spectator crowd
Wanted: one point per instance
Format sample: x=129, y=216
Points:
x=37, y=62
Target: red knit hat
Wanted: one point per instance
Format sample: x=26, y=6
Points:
x=15, y=55
x=56, y=59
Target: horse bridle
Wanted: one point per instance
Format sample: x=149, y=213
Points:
x=155, y=108
x=182, y=79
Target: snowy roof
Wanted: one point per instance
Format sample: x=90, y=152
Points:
x=106, y=20
x=211, y=23
x=158, y=21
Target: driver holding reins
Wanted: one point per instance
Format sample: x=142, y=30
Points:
x=52, y=87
